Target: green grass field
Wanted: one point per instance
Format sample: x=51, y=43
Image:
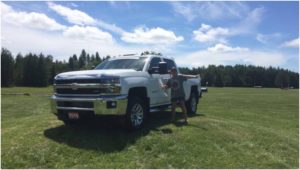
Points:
x=234, y=128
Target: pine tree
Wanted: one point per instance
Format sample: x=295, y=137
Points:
x=82, y=59
x=282, y=79
x=30, y=70
x=71, y=63
x=76, y=62
x=19, y=70
x=52, y=74
x=88, y=59
x=43, y=74
x=49, y=64
x=7, y=68
x=93, y=58
x=98, y=59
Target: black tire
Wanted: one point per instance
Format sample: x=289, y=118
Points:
x=135, y=114
x=192, y=103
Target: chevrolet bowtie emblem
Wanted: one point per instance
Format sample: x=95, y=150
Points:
x=74, y=86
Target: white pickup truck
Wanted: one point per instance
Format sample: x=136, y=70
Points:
x=129, y=86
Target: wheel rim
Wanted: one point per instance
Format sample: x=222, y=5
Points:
x=137, y=114
x=193, y=104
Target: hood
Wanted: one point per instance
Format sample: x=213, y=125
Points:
x=94, y=73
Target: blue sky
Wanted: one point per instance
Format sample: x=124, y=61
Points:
x=194, y=33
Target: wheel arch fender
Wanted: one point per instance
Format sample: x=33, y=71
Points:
x=129, y=83
x=140, y=92
x=194, y=89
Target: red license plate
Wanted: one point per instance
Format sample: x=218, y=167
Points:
x=73, y=115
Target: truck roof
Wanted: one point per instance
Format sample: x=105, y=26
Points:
x=135, y=56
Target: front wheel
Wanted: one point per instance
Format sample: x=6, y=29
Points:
x=192, y=103
x=136, y=113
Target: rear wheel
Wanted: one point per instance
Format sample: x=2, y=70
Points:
x=192, y=103
x=136, y=113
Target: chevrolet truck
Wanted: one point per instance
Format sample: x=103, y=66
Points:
x=128, y=86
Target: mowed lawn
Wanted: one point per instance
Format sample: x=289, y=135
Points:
x=234, y=128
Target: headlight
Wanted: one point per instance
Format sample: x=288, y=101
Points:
x=112, y=84
x=111, y=80
x=114, y=89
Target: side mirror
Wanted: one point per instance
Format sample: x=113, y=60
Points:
x=162, y=68
x=153, y=70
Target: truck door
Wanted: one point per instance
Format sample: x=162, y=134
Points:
x=166, y=77
x=158, y=95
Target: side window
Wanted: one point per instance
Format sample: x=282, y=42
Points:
x=170, y=64
x=154, y=62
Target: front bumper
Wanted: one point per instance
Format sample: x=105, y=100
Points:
x=116, y=105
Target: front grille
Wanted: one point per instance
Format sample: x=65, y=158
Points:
x=81, y=87
x=76, y=104
x=80, y=91
x=82, y=81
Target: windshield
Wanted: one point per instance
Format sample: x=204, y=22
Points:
x=136, y=64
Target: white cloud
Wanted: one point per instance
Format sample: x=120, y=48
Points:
x=5, y=8
x=292, y=43
x=249, y=23
x=29, y=19
x=210, y=10
x=207, y=33
x=151, y=36
x=78, y=17
x=185, y=10
x=61, y=47
x=249, y=19
x=73, y=5
x=110, y=27
x=88, y=33
x=73, y=16
x=266, y=38
x=253, y=57
x=262, y=38
x=41, y=21
x=61, y=43
x=220, y=48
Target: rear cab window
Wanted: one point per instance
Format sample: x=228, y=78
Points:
x=154, y=63
x=170, y=64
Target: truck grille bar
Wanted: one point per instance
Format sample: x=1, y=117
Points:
x=86, y=88
x=81, y=81
x=74, y=108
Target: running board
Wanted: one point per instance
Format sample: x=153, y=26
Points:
x=160, y=108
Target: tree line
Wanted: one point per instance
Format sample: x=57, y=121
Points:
x=38, y=70
x=245, y=76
